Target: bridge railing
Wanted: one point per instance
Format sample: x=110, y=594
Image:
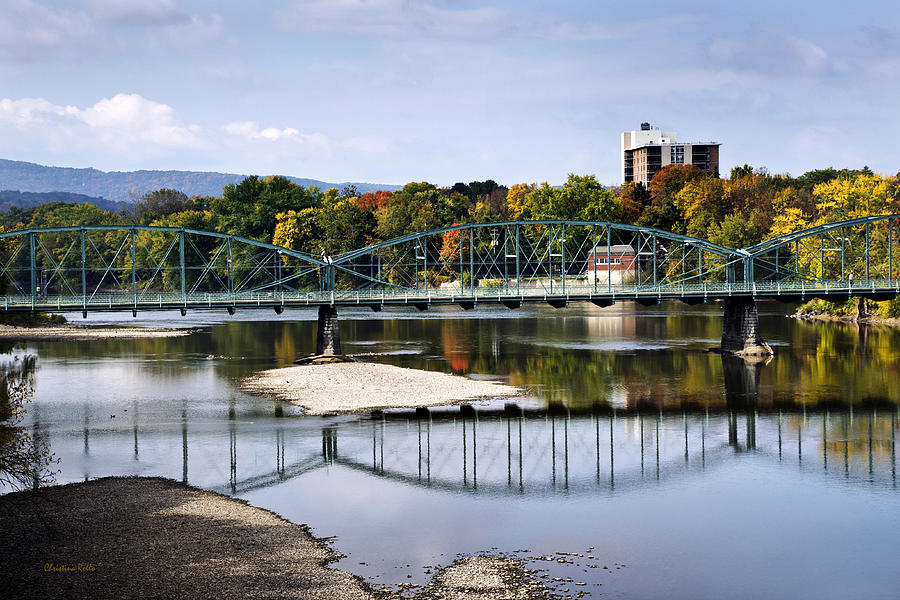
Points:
x=694, y=292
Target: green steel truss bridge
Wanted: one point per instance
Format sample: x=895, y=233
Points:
x=153, y=268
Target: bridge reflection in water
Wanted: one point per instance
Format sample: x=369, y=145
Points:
x=504, y=452
x=550, y=453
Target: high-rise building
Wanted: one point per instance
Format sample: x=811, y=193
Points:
x=646, y=151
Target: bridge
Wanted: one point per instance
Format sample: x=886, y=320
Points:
x=96, y=268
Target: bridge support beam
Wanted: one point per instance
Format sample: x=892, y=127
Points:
x=328, y=335
x=740, y=329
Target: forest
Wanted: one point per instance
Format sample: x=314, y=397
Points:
x=749, y=206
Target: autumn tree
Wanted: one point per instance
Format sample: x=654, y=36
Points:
x=662, y=212
x=634, y=198
x=373, y=200
x=701, y=203
x=517, y=202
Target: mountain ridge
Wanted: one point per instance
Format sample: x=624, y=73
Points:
x=120, y=186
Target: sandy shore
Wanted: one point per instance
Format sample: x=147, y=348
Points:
x=156, y=538
x=356, y=386
x=80, y=332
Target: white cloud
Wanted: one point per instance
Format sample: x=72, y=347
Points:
x=123, y=123
x=270, y=141
x=129, y=127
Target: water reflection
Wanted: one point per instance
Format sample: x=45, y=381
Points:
x=646, y=446
x=25, y=458
x=507, y=452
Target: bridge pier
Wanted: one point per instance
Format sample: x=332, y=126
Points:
x=328, y=335
x=740, y=329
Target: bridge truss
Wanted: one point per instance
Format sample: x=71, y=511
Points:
x=146, y=268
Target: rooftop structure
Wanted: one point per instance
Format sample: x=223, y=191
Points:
x=647, y=150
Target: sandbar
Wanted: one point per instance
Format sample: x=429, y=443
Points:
x=348, y=387
x=80, y=333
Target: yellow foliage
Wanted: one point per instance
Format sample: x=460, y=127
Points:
x=517, y=198
x=850, y=198
x=295, y=229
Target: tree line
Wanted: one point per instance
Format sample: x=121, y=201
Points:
x=747, y=207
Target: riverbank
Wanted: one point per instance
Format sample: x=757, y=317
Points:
x=855, y=311
x=848, y=319
x=67, y=332
x=156, y=538
x=357, y=387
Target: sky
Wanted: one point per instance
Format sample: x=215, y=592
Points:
x=392, y=91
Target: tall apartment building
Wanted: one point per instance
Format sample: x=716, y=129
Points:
x=648, y=150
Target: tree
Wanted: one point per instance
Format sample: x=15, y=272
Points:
x=735, y=231
x=409, y=210
x=702, y=204
x=738, y=172
x=859, y=196
x=249, y=208
x=517, y=200
x=374, y=200
x=154, y=205
x=662, y=211
x=297, y=230
x=634, y=198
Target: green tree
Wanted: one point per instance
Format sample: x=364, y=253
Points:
x=736, y=231
x=160, y=203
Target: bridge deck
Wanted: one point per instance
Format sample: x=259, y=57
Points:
x=559, y=295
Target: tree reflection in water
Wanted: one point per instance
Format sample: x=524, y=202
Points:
x=25, y=458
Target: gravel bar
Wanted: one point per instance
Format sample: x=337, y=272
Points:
x=357, y=386
x=132, y=537
x=80, y=333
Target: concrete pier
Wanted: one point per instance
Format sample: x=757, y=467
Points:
x=328, y=335
x=740, y=329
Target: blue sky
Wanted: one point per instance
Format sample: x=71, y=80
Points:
x=392, y=91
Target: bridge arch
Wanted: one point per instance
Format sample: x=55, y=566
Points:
x=861, y=249
x=152, y=267
x=547, y=254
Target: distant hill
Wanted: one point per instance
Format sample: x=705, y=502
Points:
x=118, y=185
x=24, y=200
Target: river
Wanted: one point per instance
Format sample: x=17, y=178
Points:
x=641, y=465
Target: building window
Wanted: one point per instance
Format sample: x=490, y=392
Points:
x=677, y=155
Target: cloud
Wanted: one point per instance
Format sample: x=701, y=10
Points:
x=386, y=18
x=133, y=128
x=769, y=51
x=125, y=122
x=32, y=31
x=136, y=12
x=417, y=18
x=28, y=29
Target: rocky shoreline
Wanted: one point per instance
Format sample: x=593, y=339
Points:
x=141, y=538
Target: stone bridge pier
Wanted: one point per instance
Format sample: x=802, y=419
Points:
x=740, y=329
x=328, y=334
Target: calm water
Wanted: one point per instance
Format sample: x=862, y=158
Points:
x=685, y=473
